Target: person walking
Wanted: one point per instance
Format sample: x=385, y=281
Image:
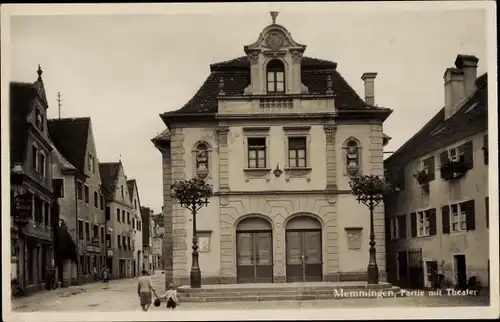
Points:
x=145, y=290
x=105, y=275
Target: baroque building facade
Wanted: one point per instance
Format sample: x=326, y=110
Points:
x=438, y=220
x=278, y=135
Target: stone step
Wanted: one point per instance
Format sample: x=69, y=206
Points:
x=283, y=291
x=220, y=297
x=282, y=287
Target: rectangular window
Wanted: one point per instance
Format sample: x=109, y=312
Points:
x=58, y=185
x=119, y=239
x=81, y=264
x=87, y=194
x=88, y=265
x=118, y=215
x=128, y=243
x=394, y=228
x=80, y=229
x=107, y=214
x=128, y=218
x=96, y=200
x=297, y=152
x=102, y=234
x=91, y=163
x=79, y=190
x=108, y=240
x=101, y=199
x=42, y=165
x=423, y=223
x=275, y=81
x=256, y=153
x=34, y=158
x=458, y=217
x=47, y=214
x=133, y=223
x=139, y=225
x=39, y=119
x=96, y=232
x=123, y=216
x=121, y=188
x=87, y=231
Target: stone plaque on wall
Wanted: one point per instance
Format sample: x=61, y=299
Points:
x=204, y=241
x=354, y=237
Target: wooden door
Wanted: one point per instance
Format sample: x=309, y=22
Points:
x=303, y=256
x=254, y=261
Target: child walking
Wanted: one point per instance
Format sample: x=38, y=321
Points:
x=171, y=297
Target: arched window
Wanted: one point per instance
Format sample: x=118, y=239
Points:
x=275, y=76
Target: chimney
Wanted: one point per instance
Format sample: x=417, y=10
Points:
x=459, y=82
x=454, y=90
x=468, y=65
x=369, y=79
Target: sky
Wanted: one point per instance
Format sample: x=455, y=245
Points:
x=124, y=70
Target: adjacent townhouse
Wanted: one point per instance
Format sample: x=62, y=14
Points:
x=157, y=240
x=437, y=220
x=136, y=226
x=120, y=207
x=77, y=187
x=147, y=242
x=31, y=185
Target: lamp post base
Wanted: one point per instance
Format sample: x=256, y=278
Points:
x=195, y=278
x=373, y=274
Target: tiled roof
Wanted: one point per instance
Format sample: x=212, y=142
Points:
x=130, y=186
x=21, y=98
x=63, y=163
x=471, y=118
x=162, y=137
x=236, y=76
x=109, y=172
x=70, y=136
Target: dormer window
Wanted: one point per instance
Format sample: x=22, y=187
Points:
x=275, y=76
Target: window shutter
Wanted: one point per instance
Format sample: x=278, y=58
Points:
x=388, y=228
x=432, y=221
x=487, y=211
x=429, y=163
x=413, y=223
x=468, y=154
x=485, y=149
x=445, y=216
x=443, y=157
x=402, y=226
x=470, y=215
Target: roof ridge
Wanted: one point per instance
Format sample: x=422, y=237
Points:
x=82, y=118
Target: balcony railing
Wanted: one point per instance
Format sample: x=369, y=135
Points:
x=279, y=103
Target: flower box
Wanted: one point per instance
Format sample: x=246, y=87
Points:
x=422, y=177
x=453, y=170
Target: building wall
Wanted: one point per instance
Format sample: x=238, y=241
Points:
x=138, y=252
x=441, y=247
x=276, y=198
x=73, y=209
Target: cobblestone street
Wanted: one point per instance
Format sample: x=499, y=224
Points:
x=121, y=295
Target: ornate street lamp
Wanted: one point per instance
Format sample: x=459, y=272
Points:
x=370, y=190
x=193, y=195
x=21, y=205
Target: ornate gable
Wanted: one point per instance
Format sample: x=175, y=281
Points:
x=275, y=43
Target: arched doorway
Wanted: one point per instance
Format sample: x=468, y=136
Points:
x=303, y=250
x=254, y=251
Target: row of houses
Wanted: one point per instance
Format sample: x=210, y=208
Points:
x=70, y=212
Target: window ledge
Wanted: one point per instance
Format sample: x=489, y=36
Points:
x=257, y=173
x=302, y=172
x=460, y=232
x=425, y=237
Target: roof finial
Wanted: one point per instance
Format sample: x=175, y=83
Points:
x=221, y=86
x=39, y=72
x=329, y=85
x=274, y=14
